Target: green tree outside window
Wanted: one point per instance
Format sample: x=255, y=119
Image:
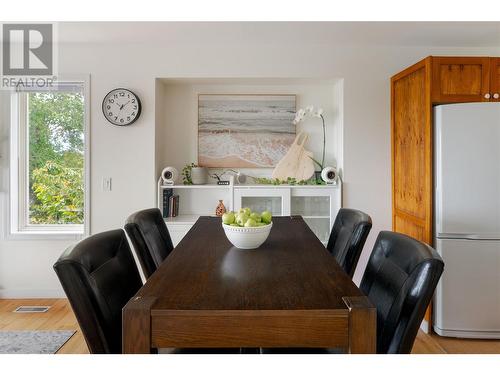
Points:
x=56, y=157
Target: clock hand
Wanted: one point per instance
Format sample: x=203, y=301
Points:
x=125, y=104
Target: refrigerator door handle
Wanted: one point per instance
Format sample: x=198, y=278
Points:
x=472, y=237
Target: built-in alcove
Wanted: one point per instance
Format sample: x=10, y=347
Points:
x=177, y=114
x=177, y=145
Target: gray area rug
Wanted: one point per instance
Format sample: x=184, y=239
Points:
x=33, y=342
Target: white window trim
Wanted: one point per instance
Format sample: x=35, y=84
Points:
x=17, y=227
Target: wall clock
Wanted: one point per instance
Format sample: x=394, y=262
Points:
x=121, y=107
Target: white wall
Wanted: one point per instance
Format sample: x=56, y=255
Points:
x=127, y=154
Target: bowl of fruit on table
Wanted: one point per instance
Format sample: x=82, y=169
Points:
x=246, y=229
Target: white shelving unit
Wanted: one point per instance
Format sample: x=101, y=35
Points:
x=182, y=219
x=201, y=187
x=317, y=204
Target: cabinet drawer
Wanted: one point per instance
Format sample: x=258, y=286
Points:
x=460, y=79
x=495, y=79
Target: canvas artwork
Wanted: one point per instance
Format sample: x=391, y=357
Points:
x=244, y=131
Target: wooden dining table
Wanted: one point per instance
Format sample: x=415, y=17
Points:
x=290, y=292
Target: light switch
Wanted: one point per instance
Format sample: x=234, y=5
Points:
x=106, y=184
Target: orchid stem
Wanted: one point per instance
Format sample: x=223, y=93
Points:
x=324, y=143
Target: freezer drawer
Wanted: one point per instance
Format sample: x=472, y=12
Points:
x=467, y=300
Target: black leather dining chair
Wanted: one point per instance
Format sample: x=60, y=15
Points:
x=348, y=236
x=99, y=276
x=150, y=237
x=400, y=279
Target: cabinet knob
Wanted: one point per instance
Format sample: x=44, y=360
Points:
x=496, y=95
x=487, y=96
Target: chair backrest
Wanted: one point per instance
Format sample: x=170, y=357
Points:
x=149, y=236
x=99, y=276
x=348, y=237
x=400, y=279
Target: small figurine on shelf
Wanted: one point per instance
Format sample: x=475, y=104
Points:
x=240, y=177
x=218, y=177
x=220, y=209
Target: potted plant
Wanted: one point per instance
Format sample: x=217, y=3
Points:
x=193, y=174
x=311, y=112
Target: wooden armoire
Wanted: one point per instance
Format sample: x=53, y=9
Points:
x=414, y=91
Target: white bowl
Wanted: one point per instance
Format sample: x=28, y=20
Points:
x=247, y=237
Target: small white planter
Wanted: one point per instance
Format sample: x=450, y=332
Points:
x=247, y=238
x=199, y=175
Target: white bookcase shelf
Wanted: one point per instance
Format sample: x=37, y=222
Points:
x=207, y=186
x=317, y=204
x=182, y=219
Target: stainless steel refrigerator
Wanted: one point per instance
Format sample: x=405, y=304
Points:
x=467, y=219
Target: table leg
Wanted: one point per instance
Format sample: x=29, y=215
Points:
x=136, y=325
x=362, y=325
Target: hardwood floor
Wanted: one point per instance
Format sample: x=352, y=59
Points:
x=60, y=316
x=429, y=344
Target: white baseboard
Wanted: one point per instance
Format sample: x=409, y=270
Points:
x=468, y=334
x=31, y=293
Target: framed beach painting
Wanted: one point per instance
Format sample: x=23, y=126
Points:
x=244, y=131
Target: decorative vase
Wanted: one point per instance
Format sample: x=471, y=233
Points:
x=220, y=209
x=199, y=175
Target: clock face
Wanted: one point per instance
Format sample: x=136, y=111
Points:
x=121, y=107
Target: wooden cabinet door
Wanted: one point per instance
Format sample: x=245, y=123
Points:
x=460, y=79
x=495, y=79
x=411, y=138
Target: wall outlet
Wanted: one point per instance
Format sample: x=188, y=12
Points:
x=106, y=184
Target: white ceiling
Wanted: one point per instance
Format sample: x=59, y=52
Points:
x=439, y=34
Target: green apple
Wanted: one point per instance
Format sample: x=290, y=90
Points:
x=234, y=225
x=256, y=217
x=266, y=217
x=228, y=218
x=241, y=219
x=250, y=223
x=246, y=211
x=261, y=224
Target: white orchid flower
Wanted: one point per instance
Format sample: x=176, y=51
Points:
x=310, y=111
x=318, y=112
x=299, y=116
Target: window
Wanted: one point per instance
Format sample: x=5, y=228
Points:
x=49, y=160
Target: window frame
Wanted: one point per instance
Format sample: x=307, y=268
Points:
x=19, y=226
